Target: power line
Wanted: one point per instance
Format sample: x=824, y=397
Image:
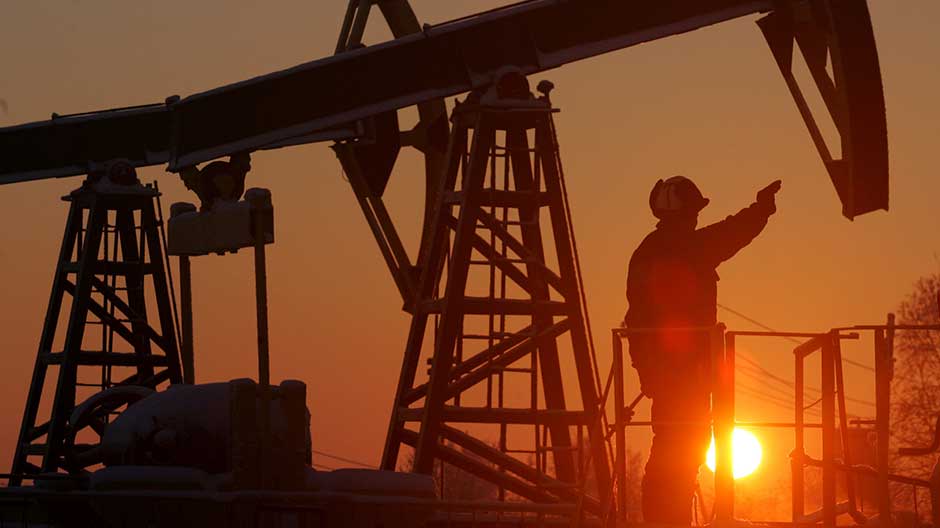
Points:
x=342, y=459
x=754, y=366
x=785, y=400
x=757, y=394
x=782, y=393
x=769, y=329
x=788, y=383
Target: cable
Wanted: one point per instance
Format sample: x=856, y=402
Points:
x=812, y=405
x=342, y=459
x=765, y=395
x=764, y=376
x=781, y=392
x=582, y=299
x=790, y=384
x=754, y=365
x=769, y=329
x=766, y=398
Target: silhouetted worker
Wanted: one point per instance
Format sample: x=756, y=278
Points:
x=672, y=283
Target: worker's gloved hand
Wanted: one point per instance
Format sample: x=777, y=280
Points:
x=766, y=196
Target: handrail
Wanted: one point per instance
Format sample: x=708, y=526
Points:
x=722, y=420
x=833, y=406
x=820, y=340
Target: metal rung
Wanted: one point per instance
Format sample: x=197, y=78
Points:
x=113, y=359
x=518, y=370
x=499, y=335
x=529, y=192
x=507, y=149
x=506, y=260
x=114, y=268
x=115, y=320
x=489, y=305
x=500, y=198
x=519, y=223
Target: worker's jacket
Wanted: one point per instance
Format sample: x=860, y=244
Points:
x=672, y=283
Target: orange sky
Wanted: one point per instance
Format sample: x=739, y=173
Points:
x=710, y=105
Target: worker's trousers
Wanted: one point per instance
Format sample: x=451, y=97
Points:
x=681, y=435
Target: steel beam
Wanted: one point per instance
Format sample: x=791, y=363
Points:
x=318, y=100
x=827, y=368
x=453, y=299
x=324, y=99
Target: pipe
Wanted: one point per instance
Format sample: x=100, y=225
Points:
x=186, y=311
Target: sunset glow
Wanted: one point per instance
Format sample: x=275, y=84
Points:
x=747, y=453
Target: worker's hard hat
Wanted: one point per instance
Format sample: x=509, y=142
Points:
x=675, y=196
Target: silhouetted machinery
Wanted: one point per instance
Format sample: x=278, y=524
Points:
x=489, y=307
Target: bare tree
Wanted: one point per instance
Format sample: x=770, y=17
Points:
x=916, y=387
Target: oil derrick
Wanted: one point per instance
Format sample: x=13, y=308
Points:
x=499, y=312
x=106, y=347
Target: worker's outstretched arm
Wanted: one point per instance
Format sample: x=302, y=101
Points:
x=720, y=241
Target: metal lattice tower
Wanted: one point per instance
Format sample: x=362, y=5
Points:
x=499, y=321
x=111, y=255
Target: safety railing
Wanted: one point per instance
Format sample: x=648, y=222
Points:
x=836, y=460
x=835, y=419
x=722, y=366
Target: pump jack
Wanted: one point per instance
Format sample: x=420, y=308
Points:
x=481, y=55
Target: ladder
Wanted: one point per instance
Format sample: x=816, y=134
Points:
x=499, y=305
x=111, y=255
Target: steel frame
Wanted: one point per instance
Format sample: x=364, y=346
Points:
x=838, y=34
x=488, y=205
x=323, y=100
x=108, y=234
x=834, y=418
x=721, y=356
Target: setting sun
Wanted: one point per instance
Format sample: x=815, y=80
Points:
x=747, y=453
